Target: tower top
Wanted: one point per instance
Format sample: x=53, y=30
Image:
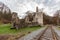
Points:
x=37, y=9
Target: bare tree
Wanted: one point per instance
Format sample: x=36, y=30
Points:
x=57, y=16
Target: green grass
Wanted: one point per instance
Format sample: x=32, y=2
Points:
x=58, y=28
x=5, y=29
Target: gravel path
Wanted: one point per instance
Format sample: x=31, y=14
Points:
x=47, y=35
x=33, y=35
x=57, y=31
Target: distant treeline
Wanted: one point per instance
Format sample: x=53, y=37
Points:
x=5, y=17
x=51, y=20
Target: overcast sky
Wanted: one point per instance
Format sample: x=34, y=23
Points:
x=21, y=6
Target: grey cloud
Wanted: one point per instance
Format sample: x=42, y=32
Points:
x=21, y=6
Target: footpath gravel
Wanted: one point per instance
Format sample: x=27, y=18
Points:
x=32, y=36
x=57, y=32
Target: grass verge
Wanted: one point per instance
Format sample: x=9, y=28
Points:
x=5, y=30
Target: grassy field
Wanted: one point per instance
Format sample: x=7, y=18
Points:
x=13, y=33
x=5, y=29
x=58, y=28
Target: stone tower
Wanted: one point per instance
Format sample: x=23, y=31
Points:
x=13, y=21
x=39, y=17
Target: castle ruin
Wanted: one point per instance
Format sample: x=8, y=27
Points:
x=32, y=19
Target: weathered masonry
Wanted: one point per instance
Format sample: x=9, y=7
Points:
x=32, y=19
x=35, y=17
x=39, y=16
x=15, y=20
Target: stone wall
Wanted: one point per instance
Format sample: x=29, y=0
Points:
x=32, y=19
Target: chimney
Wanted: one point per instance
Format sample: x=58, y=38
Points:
x=36, y=9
